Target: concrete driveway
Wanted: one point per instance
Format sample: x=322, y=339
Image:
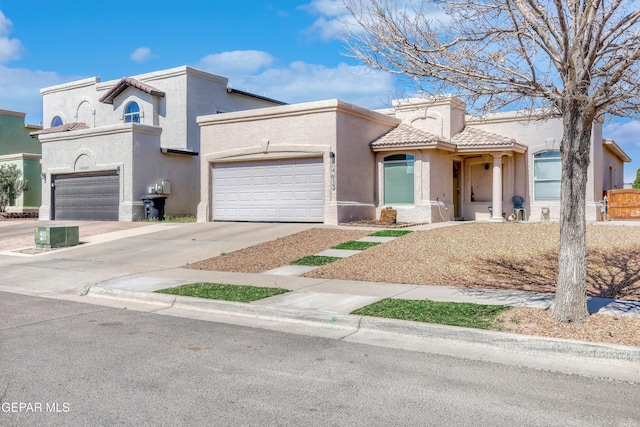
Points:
x=120, y=251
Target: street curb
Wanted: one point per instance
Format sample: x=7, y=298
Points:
x=240, y=309
x=495, y=340
x=506, y=341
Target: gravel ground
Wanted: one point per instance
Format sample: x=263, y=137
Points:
x=498, y=256
x=598, y=328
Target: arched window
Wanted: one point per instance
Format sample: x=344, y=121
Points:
x=56, y=121
x=398, y=179
x=547, y=170
x=132, y=113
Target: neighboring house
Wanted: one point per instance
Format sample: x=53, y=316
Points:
x=107, y=144
x=16, y=147
x=335, y=162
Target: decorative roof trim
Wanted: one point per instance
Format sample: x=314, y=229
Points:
x=125, y=83
x=473, y=139
x=67, y=127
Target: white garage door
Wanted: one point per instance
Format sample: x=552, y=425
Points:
x=274, y=190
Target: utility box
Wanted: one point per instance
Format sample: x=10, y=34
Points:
x=57, y=237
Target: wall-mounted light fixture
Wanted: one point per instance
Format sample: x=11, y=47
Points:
x=43, y=177
x=486, y=166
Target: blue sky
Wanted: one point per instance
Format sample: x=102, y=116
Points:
x=283, y=49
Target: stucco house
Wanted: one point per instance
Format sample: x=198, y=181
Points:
x=107, y=144
x=334, y=162
x=16, y=147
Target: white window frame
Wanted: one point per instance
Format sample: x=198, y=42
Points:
x=546, y=156
x=409, y=159
x=132, y=117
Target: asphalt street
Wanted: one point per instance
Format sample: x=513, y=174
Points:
x=66, y=363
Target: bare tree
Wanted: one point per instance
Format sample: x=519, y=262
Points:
x=577, y=59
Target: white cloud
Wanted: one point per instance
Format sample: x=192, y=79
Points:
x=624, y=133
x=328, y=29
x=142, y=54
x=5, y=25
x=10, y=49
x=236, y=64
x=20, y=90
x=303, y=82
x=333, y=16
x=330, y=8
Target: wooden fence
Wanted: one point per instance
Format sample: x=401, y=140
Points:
x=623, y=204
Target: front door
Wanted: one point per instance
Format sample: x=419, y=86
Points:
x=457, y=166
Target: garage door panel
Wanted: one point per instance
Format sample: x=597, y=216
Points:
x=316, y=195
x=283, y=190
x=86, y=197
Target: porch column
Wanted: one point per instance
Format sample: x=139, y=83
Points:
x=496, y=193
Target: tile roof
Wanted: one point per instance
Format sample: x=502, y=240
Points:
x=471, y=137
x=67, y=127
x=404, y=135
x=124, y=83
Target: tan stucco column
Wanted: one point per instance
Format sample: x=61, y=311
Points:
x=496, y=193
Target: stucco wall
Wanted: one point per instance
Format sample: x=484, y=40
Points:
x=17, y=147
x=14, y=135
x=443, y=116
x=167, y=122
x=355, y=164
x=302, y=130
x=613, y=171
x=106, y=149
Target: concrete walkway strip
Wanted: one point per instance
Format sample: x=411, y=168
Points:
x=339, y=253
x=376, y=239
x=291, y=270
x=319, y=301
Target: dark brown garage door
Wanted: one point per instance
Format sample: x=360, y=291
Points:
x=91, y=197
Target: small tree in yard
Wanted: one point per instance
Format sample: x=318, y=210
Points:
x=636, y=183
x=11, y=186
x=576, y=59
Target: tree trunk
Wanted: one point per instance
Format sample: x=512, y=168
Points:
x=571, y=290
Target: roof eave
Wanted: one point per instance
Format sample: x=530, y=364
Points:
x=616, y=149
x=121, y=86
x=515, y=147
x=429, y=146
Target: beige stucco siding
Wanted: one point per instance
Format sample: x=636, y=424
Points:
x=334, y=130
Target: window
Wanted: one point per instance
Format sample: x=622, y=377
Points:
x=132, y=113
x=56, y=121
x=398, y=179
x=547, y=170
